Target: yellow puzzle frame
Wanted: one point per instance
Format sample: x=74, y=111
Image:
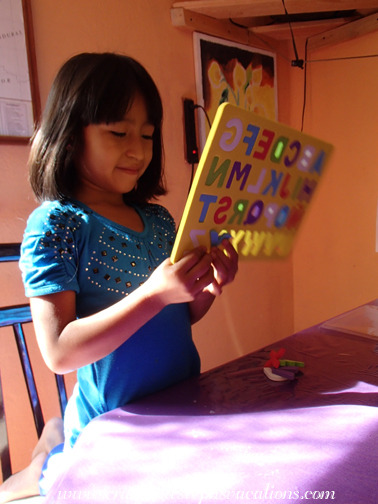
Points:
x=254, y=183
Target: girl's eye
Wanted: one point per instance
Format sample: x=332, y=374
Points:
x=118, y=134
x=148, y=137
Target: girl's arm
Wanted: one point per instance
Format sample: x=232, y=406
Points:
x=68, y=343
x=225, y=264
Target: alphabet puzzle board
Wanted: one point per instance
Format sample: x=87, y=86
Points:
x=254, y=183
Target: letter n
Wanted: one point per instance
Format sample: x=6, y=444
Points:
x=214, y=173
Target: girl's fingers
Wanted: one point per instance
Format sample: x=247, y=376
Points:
x=195, y=270
x=190, y=259
x=214, y=288
x=196, y=264
x=203, y=268
x=200, y=270
x=231, y=253
x=220, y=266
x=225, y=261
x=203, y=281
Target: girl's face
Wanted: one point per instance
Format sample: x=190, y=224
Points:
x=114, y=156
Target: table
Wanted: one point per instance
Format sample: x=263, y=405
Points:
x=233, y=435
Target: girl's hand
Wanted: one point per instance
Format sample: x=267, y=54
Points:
x=225, y=263
x=183, y=281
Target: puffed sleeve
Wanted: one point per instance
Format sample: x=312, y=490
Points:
x=168, y=219
x=163, y=229
x=49, y=253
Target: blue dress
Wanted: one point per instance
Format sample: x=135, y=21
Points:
x=67, y=246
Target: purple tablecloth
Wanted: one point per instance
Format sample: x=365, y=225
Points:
x=233, y=435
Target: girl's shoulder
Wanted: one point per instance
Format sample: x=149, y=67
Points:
x=157, y=212
x=55, y=227
x=56, y=215
x=49, y=248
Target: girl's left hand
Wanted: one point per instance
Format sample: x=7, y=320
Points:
x=225, y=264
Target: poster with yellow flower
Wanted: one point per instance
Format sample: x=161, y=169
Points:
x=233, y=73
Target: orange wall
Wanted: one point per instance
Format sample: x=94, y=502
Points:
x=335, y=262
x=257, y=308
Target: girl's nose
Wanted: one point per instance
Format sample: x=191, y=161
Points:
x=135, y=148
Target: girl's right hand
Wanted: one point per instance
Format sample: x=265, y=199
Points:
x=183, y=281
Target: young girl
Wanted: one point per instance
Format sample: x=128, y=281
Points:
x=105, y=298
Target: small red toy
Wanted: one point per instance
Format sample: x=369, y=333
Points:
x=275, y=357
x=278, y=369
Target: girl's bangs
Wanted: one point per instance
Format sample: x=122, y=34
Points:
x=111, y=103
x=115, y=96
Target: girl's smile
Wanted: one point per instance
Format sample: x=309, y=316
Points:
x=114, y=156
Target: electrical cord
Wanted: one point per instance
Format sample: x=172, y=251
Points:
x=196, y=106
x=304, y=88
x=297, y=62
x=206, y=114
x=191, y=178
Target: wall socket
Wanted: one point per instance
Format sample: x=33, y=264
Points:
x=191, y=149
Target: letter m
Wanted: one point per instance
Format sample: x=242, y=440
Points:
x=239, y=173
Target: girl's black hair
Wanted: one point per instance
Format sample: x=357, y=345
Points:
x=92, y=88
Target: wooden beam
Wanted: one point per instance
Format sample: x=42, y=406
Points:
x=310, y=6
x=343, y=33
x=224, y=9
x=218, y=28
x=221, y=9
x=198, y=22
x=303, y=29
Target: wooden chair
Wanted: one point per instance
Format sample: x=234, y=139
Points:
x=16, y=316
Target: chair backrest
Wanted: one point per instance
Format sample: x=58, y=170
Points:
x=16, y=316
